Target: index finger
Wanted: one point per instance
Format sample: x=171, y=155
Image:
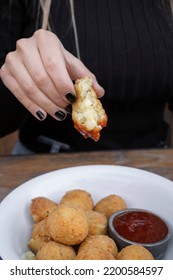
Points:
x=78, y=70
x=54, y=63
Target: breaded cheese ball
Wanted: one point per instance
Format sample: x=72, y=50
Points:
x=40, y=235
x=40, y=229
x=93, y=253
x=97, y=223
x=99, y=241
x=55, y=251
x=35, y=244
x=68, y=225
x=110, y=204
x=79, y=199
x=134, y=252
x=41, y=207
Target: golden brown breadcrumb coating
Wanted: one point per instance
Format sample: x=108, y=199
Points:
x=40, y=235
x=99, y=241
x=134, y=252
x=79, y=199
x=68, y=225
x=35, y=244
x=40, y=229
x=97, y=223
x=110, y=204
x=41, y=207
x=94, y=254
x=55, y=251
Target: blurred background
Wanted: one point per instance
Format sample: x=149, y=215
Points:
x=7, y=143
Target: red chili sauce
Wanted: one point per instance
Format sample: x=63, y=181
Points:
x=140, y=227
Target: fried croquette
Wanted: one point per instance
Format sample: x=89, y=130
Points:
x=93, y=253
x=78, y=199
x=40, y=235
x=97, y=223
x=88, y=114
x=134, y=252
x=41, y=207
x=35, y=244
x=99, y=241
x=41, y=229
x=55, y=251
x=68, y=225
x=110, y=204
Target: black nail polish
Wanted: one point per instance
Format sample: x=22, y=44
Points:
x=60, y=115
x=68, y=109
x=40, y=115
x=71, y=97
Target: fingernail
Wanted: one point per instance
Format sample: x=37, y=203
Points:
x=68, y=108
x=71, y=97
x=60, y=115
x=40, y=115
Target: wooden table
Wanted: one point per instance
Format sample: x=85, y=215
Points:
x=15, y=170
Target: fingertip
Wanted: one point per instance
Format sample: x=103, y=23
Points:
x=40, y=115
x=102, y=91
x=99, y=90
x=71, y=97
x=60, y=115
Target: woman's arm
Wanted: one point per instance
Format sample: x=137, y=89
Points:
x=39, y=73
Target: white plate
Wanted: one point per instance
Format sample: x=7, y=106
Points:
x=138, y=188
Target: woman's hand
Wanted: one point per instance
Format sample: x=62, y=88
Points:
x=40, y=72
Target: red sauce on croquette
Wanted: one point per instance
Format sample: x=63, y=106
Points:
x=141, y=227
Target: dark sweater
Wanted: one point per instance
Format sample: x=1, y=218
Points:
x=127, y=44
